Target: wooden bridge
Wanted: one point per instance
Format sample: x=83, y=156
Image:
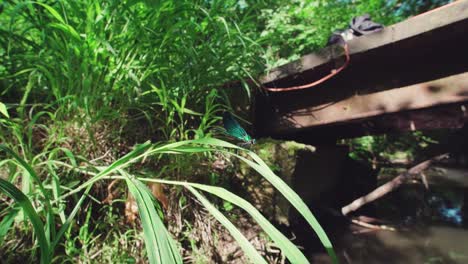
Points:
x=410, y=76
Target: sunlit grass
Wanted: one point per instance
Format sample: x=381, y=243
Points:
x=81, y=82
x=160, y=246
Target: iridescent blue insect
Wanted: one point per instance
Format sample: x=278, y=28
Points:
x=235, y=130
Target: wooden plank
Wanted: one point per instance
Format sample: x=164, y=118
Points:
x=418, y=25
x=452, y=116
x=449, y=90
x=412, y=67
x=443, y=91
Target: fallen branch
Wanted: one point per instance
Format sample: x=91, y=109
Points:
x=424, y=180
x=370, y=220
x=389, y=186
x=371, y=226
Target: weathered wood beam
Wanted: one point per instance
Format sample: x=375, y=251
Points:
x=418, y=25
x=452, y=116
x=453, y=89
x=436, y=104
x=398, y=79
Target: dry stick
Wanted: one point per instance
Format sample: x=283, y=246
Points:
x=389, y=186
x=110, y=193
x=371, y=226
x=369, y=219
x=364, y=231
x=368, y=222
x=424, y=180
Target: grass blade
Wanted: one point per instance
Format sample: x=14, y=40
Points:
x=50, y=224
x=6, y=223
x=287, y=247
x=248, y=248
x=160, y=247
x=52, y=11
x=70, y=218
x=23, y=201
x=26, y=166
x=261, y=167
x=126, y=160
x=3, y=110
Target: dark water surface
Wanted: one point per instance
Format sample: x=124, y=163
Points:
x=431, y=225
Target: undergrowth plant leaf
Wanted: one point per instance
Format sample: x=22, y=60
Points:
x=23, y=201
x=290, y=250
x=244, y=243
x=160, y=246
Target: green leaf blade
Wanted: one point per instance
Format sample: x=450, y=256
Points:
x=3, y=110
x=287, y=247
x=160, y=246
x=261, y=167
x=246, y=246
x=11, y=191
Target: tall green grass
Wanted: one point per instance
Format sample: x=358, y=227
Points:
x=147, y=70
x=94, y=57
x=161, y=248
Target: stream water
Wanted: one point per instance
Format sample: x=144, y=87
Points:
x=430, y=225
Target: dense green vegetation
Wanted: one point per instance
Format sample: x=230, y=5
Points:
x=85, y=85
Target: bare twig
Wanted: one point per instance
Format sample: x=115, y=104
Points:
x=371, y=226
x=347, y=258
x=389, y=186
x=364, y=231
x=424, y=180
x=370, y=220
x=111, y=193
